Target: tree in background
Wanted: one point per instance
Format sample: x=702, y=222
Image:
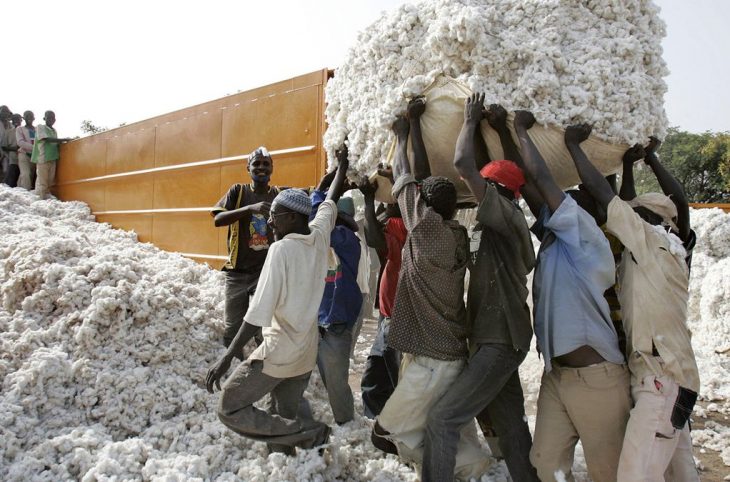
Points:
x=88, y=127
x=701, y=162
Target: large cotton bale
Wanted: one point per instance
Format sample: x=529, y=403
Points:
x=567, y=61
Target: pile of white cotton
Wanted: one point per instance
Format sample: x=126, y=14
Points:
x=595, y=61
x=105, y=342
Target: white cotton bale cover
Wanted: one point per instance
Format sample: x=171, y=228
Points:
x=444, y=116
x=567, y=61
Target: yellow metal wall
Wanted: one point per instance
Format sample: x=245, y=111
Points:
x=159, y=177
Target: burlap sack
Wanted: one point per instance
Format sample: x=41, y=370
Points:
x=442, y=122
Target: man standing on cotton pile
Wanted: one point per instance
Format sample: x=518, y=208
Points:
x=654, y=290
x=292, y=277
x=46, y=154
x=429, y=319
x=584, y=391
x=25, y=137
x=244, y=209
x=499, y=318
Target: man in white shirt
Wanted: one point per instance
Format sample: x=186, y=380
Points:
x=292, y=276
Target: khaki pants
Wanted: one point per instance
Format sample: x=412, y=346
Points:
x=46, y=172
x=422, y=382
x=653, y=448
x=589, y=404
x=27, y=171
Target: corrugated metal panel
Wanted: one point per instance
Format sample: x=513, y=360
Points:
x=159, y=177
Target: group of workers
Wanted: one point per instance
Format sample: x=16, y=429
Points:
x=610, y=291
x=28, y=153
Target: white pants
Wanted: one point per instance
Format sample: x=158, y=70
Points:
x=652, y=446
x=421, y=384
x=46, y=172
x=27, y=171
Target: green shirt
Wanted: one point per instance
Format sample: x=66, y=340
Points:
x=44, y=151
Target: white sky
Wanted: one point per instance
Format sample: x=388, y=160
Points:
x=125, y=61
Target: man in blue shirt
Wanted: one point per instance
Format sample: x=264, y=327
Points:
x=584, y=393
x=340, y=305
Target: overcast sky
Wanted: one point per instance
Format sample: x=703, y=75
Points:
x=123, y=61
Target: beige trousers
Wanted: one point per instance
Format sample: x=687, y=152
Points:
x=653, y=448
x=27, y=171
x=589, y=404
x=421, y=384
x=46, y=172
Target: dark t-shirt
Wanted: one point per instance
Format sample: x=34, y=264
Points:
x=502, y=257
x=249, y=238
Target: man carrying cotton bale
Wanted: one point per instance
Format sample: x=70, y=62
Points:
x=584, y=393
x=500, y=326
x=340, y=304
x=429, y=323
x=380, y=376
x=654, y=281
x=292, y=276
x=244, y=209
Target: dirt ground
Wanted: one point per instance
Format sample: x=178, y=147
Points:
x=712, y=468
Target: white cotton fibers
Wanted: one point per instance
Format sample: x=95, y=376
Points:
x=595, y=61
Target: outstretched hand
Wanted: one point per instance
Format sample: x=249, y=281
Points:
x=262, y=207
x=342, y=153
x=217, y=371
x=576, y=134
x=474, y=108
x=524, y=119
x=496, y=116
x=416, y=107
x=633, y=154
x=653, y=145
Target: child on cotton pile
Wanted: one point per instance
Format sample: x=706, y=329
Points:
x=584, y=392
x=500, y=325
x=429, y=322
x=653, y=291
x=292, y=276
x=340, y=305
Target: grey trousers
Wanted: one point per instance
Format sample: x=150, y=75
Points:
x=489, y=384
x=239, y=286
x=284, y=425
x=333, y=361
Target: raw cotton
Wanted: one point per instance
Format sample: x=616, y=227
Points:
x=105, y=342
x=595, y=61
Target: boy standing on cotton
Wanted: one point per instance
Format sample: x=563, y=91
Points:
x=46, y=154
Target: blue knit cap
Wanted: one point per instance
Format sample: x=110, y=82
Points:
x=294, y=199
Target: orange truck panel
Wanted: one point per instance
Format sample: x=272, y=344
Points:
x=160, y=177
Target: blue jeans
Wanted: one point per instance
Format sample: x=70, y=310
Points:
x=489, y=384
x=333, y=361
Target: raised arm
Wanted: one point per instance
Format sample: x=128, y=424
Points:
x=338, y=184
x=591, y=178
x=497, y=117
x=401, y=167
x=628, y=189
x=421, y=167
x=465, y=156
x=374, y=236
x=670, y=186
x=535, y=167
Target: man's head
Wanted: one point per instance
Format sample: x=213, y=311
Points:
x=656, y=209
x=29, y=117
x=289, y=212
x=440, y=194
x=5, y=114
x=346, y=213
x=17, y=120
x=260, y=165
x=583, y=198
x=506, y=174
x=49, y=118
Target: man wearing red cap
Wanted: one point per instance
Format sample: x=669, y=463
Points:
x=499, y=318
